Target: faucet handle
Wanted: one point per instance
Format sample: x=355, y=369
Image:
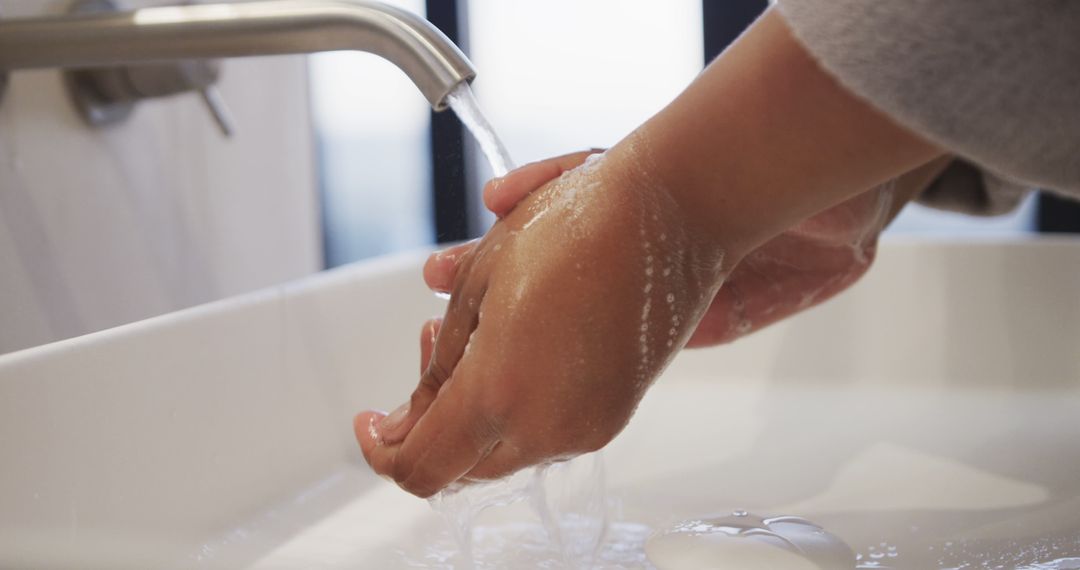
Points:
x=107, y=96
x=215, y=103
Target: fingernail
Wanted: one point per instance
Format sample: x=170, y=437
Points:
x=394, y=419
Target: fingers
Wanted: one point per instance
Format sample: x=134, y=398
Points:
x=448, y=441
x=502, y=194
x=428, y=333
x=720, y=324
x=504, y=460
x=367, y=424
x=449, y=344
x=764, y=289
x=441, y=267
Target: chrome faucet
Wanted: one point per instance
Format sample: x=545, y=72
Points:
x=105, y=39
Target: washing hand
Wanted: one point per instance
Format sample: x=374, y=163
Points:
x=572, y=304
x=559, y=319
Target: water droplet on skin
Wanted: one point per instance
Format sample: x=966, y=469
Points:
x=648, y=287
x=373, y=432
x=649, y=271
x=667, y=271
x=670, y=298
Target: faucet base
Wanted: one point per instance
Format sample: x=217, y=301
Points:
x=94, y=109
x=108, y=95
x=93, y=106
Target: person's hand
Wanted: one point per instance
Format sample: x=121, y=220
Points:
x=559, y=319
x=790, y=273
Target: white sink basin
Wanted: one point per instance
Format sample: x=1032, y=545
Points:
x=935, y=408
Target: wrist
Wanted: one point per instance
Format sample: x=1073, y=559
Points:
x=634, y=163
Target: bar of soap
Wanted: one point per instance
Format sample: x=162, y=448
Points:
x=744, y=541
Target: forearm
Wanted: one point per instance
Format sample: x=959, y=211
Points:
x=764, y=139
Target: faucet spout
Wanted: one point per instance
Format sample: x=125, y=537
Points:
x=269, y=27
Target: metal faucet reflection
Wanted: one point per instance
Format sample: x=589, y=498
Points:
x=195, y=32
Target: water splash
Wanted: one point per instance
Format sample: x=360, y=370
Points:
x=568, y=500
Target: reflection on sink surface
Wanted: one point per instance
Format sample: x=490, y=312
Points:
x=930, y=418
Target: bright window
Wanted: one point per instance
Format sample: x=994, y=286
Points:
x=372, y=128
x=565, y=75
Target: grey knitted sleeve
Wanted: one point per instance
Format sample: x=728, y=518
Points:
x=997, y=82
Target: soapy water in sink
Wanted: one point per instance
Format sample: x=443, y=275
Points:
x=1061, y=564
x=1060, y=553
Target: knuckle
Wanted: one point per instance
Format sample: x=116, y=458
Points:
x=436, y=375
x=381, y=463
x=417, y=488
x=400, y=471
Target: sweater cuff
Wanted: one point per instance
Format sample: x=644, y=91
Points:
x=991, y=81
x=965, y=188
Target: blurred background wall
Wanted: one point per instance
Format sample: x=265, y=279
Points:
x=100, y=227
x=337, y=158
